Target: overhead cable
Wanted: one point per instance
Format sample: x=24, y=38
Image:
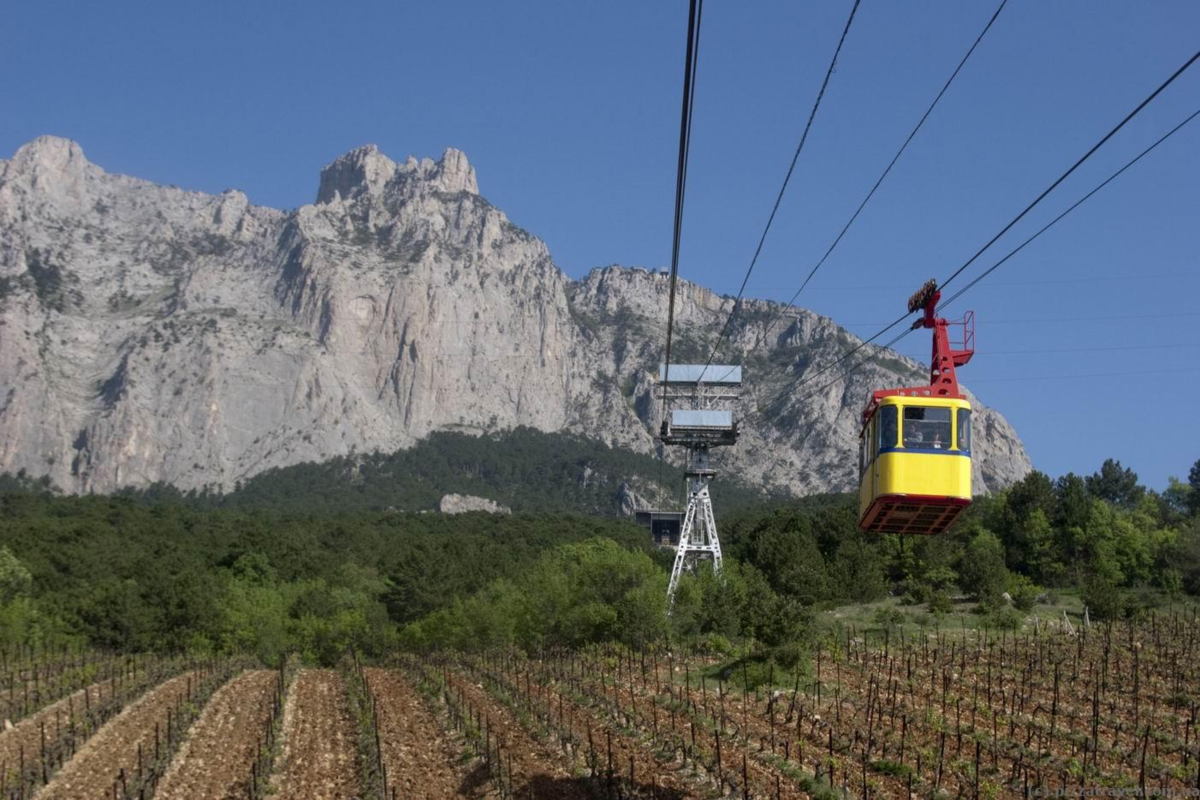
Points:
x=1073, y=167
x=786, y=179
x=791, y=387
x=1071, y=208
x=791, y=302
x=695, y=10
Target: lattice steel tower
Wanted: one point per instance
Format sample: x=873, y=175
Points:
x=699, y=418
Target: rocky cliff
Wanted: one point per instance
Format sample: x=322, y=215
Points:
x=153, y=334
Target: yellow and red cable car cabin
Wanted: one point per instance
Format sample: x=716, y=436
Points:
x=915, y=444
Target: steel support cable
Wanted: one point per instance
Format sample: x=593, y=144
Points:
x=782, y=189
x=1038, y=320
x=1074, y=166
x=774, y=320
x=807, y=379
x=691, y=55
x=1071, y=208
x=1052, y=186
x=1027, y=209
x=1074, y=376
x=695, y=9
x=1103, y=349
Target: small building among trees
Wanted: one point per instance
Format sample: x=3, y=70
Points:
x=664, y=526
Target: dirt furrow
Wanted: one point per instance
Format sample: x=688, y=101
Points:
x=216, y=759
x=669, y=779
x=97, y=765
x=320, y=757
x=27, y=734
x=597, y=709
x=420, y=760
x=538, y=770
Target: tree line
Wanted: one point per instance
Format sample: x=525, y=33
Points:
x=133, y=573
x=1124, y=548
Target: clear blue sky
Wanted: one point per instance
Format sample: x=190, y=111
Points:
x=569, y=111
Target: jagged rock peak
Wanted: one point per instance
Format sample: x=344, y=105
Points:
x=52, y=167
x=48, y=160
x=365, y=170
x=455, y=173
x=51, y=152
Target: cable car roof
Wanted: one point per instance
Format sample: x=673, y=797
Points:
x=719, y=374
x=715, y=419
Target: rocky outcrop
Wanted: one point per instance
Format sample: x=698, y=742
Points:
x=632, y=501
x=463, y=503
x=153, y=334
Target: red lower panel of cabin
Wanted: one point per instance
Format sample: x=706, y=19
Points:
x=912, y=514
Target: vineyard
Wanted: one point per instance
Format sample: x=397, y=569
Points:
x=962, y=714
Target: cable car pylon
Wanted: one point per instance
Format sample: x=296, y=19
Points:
x=699, y=417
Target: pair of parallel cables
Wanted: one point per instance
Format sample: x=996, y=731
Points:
x=685, y=136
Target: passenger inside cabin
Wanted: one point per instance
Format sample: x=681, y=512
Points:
x=912, y=435
x=927, y=428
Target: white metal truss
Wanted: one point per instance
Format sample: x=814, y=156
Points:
x=698, y=539
x=700, y=418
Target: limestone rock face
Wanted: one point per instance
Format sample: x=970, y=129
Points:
x=462, y=503
x=153, y=334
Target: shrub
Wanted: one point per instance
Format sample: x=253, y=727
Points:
x=915, y=593
x=717, y=644
x=886, y=617
x=940, y=603
x=1104, y=598
x=1004, y=617
x=1023, y=591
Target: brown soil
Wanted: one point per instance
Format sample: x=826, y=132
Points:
x=669, y=779
x=97, y=765
x=420, y=759
x=320, y=758
x=539, y=771
x=216, y=760
x=744, y=743
x=27, y=733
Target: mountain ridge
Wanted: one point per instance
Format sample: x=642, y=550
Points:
x=152, y=334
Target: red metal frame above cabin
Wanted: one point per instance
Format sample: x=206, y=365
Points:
x=947, y=355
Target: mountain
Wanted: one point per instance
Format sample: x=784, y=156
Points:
x=151, y=334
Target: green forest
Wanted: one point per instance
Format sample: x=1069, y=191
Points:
x=177, y=572
x=525, y=469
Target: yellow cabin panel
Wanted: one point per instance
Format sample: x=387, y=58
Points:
x=913, y=490
x=922, y=473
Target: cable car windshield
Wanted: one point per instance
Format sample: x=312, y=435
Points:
x=926, y=428
x=964, y=429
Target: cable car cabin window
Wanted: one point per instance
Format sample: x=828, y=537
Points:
x=887, y=428
x=866, y=446
x=964, y=429
x=926, y=428
x=863, y=458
